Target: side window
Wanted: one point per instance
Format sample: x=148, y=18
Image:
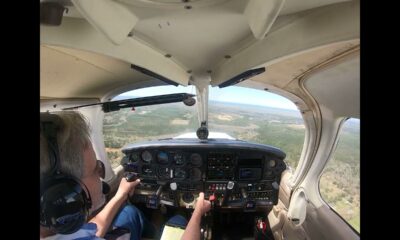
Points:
x=339, y=184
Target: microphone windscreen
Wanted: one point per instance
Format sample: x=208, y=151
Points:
x=106, y=188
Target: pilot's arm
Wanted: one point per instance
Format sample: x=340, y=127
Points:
x=193, y=228
x=105, y=217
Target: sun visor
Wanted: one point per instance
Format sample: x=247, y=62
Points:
x=99, y=12
x=241, y=77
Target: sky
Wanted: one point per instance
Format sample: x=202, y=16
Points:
x=229, y=94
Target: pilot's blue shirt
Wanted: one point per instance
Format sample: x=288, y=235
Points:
x=87, y=232
x=129, y=224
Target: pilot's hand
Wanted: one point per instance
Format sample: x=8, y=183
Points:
x=202, y=205
x=126, y=188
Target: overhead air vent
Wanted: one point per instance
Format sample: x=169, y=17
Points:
x=241, y=77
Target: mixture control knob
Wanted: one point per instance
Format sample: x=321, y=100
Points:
x=212, y=198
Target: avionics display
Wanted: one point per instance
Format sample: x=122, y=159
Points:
x=249, y=169
x=249, y=173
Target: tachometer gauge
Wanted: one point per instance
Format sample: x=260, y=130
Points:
x=162, y=157
x=195, y=159
x=180, y=173
x=147, y=157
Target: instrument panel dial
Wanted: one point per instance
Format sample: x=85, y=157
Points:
x=196, y=160
x=147, y=157
x=134, y=157
x=162, y=158
x=179, y=159
x=195, y=174
x=180, y=173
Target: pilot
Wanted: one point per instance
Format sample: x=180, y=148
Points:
x=77, y=160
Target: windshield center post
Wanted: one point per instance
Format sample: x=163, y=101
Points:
x=202, y=81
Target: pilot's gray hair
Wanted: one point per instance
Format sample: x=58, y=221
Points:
x=73, y=138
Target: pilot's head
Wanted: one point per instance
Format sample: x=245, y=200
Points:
x=76, y=155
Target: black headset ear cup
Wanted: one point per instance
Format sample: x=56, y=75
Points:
x=64, y=204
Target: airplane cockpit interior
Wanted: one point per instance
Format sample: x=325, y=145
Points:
x=253, y=103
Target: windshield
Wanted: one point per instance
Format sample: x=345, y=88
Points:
x=241, y=113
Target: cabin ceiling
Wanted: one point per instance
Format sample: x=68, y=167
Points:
x=91, y=52
x=337, y=89
x=82, y=74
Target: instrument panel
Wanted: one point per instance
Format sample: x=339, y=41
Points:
x=165, y=164
x=234, y=174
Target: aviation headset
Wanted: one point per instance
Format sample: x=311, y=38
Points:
x=64, y=200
